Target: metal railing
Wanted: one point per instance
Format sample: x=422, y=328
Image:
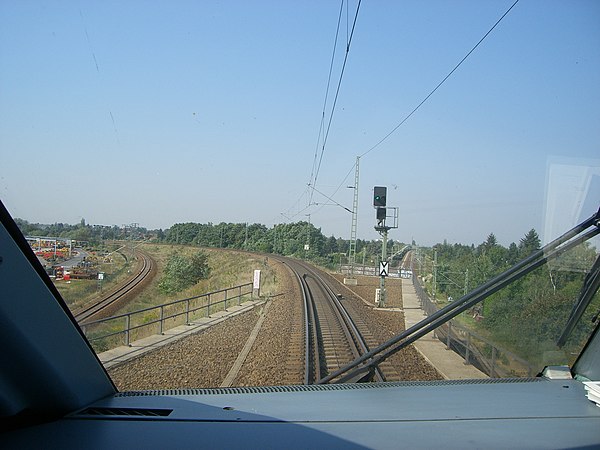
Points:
x=359, y=269
x=104, y=333
x=491, y=359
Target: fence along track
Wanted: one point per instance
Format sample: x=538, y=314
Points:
x=462, y=340
x=178, y=311
x=92, y=310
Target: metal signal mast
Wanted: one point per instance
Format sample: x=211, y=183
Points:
x=380, y=204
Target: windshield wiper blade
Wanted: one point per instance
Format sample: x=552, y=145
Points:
x=554, y=249
x=588, y=290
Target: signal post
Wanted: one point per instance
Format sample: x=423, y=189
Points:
x=380, y=204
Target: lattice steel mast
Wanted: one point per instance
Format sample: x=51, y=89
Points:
x=352, y=250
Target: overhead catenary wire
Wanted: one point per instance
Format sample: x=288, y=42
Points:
x=338, y=187
x=433, y=90
x=382, y=140
x=315, y=173
x=337, y=91
x=288, y=214
x=322, y=123
x=329, y=198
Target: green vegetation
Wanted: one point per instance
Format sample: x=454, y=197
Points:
x=224, y=269
x=182, y=272
x=82, y=232
x=287, y=239
x=529, y=315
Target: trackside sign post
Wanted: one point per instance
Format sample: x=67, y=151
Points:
x=384, y=267
x=256, y=284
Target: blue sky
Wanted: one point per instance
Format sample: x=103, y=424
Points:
x=166, y=112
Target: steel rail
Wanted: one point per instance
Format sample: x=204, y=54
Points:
x=352, y=332
x=378, y=374
x=353, y=337
x=123, y=290
x=313, y=348
x=312, y=366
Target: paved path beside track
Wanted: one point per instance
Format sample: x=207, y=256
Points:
x=448, y=363
x=137, y=348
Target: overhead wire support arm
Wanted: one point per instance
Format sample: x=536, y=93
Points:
x=554, y=249
x=329, y=198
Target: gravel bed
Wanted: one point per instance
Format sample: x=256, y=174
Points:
x=265, y=363
x=205, y=358
x=409, y=363
x=200, y=360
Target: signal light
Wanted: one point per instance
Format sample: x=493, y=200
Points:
x=381, y=214
x=379, y=196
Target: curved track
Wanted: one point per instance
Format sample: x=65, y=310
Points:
x=407, y=261
x=144, y=270
x=332, y=338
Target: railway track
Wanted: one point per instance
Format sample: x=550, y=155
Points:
x=94, y=310
x=277, y=356
x=333, y=337
x=407, y=261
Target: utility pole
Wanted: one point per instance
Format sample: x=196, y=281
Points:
x=351, y=280
x=307, y=245
x=382, y=293
x=434, y=273
x=129, y=231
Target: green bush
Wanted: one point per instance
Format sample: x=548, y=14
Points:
x=182, y=272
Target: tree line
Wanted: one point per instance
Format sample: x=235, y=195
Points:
x=528, y=315
x=92, y=234
x=299, y=239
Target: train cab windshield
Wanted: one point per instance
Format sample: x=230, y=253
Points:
x=267, y=199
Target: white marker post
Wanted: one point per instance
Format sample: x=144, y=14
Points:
x=256, y=284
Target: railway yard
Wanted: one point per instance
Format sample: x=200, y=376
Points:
x=276, y=356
